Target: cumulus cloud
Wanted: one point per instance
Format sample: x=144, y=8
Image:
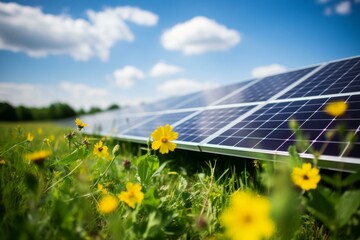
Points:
x=199, y=35
x=30, y=30
x=268, y=70
x=78, y=90
x=343, y=8
x=126, y=76
x=182, y=86
x=163, y=69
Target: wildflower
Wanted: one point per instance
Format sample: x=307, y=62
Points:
x=126, y=164
x=38, y=157
x=162, y=137
x=102, y=189
x=336, y=108
x=29, y=137
x=101, y=150
x=133, y=195
x=80, y=124
x=247, y=217
x=40, y=131
x=70, y=135
x=2, y=162
x=305, y=177
x=108, y=204
x=116, y=150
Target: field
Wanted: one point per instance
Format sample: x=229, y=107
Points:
x=57, y=183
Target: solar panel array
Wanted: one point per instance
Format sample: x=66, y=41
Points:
x=251, y=118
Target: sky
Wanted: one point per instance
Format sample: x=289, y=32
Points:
x=95, y=53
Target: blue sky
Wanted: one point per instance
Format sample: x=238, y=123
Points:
x=94, y=53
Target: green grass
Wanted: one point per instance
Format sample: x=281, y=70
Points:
x=185, y=193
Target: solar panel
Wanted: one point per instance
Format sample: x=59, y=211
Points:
x=337, y=77
x=267, y=87
x=207, y=122
x=268, y=128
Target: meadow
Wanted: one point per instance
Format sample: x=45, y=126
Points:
x=58, y=183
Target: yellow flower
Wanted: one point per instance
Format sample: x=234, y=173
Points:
x=162, y=137
x=29, y=137
x=38, y=157
x=102, y=189
x=133, y=195
x=305, y=177
x=108, y=204
x=80, y=124
x=247, y=217
x=40, y=131
x=101, y=150
x=2, y=161
x=336, y=108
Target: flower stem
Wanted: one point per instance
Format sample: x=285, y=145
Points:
x=106, y=170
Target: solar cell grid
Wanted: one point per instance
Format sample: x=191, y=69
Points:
x=334, y=78
x=267, y=87
x=155, y=121
x=208, y=122
x=268, y=128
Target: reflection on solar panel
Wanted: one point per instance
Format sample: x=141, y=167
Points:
x=251, y=118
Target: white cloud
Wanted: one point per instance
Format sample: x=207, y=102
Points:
x=126, y=76
x=163, y=69
x=81, y=90
x=182, y=86
x=343, y=8
x=268, y=70
x=199, y=35
x=30, y=30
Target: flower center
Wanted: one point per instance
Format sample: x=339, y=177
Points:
x=131, y=194
x=247, y=219
x=306, y=177
x=100, y=149
x=164, y=140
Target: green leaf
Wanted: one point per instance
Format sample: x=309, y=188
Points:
x=72, y=157
x=143, y=170
x=322, y=208
x=150, y=199
x=160, y=169
x=347, y=205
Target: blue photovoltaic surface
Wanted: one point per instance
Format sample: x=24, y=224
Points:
x=208, y=122
x=268, y=128
x=205, y=98
x=148, y=127
x=334, y=78
x=267, y=87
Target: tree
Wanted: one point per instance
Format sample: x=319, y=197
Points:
x=24, y=113
x=113, y=107
x=7, y=112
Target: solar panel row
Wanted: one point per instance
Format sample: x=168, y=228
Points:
x=254, y=115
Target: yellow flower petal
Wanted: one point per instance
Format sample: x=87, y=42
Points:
x=336, y=108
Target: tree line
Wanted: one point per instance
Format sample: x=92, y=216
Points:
x=52, y=112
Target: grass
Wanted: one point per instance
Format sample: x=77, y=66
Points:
x=185, y=193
